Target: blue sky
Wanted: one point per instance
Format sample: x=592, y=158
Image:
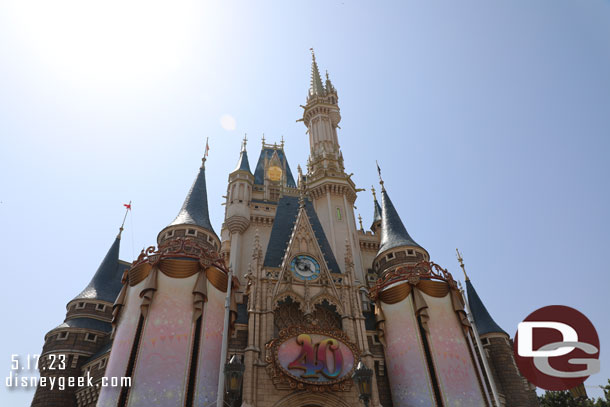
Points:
x=490, y=121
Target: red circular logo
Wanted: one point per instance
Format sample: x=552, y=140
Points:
x=557, y=348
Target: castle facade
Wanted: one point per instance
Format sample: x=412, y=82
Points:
x=304, y=306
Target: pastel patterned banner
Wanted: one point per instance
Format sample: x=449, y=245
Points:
x=121, y=347
x=454, y=366
x=405, y=358
x=161, y=368
x=211, y=343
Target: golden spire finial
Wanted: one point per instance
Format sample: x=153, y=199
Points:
x=244, y=141
x=380, y=179
x=461, y=261
x=282, y=144
x=374, y=194
x=360, y=220
x=263, y=140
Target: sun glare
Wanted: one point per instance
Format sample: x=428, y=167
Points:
x=108, y=42
x=228, y=122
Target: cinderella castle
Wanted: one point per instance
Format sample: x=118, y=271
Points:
x=292, y=304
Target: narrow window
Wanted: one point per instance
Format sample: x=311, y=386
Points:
x=190, y=388
x=131, y=363
x=89, y=337
x=191, y=232
x=62, y=335
x=100, y=307
x=431, y=369
x=338, y=213
x=80, y=305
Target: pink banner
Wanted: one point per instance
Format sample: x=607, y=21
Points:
x=211, y=342
x=405, y=358
x=163, y=359
x=454, y=366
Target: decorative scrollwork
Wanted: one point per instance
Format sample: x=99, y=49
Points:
x=412, y=273
x=183, y=248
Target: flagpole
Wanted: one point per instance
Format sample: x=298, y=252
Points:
x=225, y=343
x=127, y=208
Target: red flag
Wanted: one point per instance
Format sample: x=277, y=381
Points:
x=207, y=148
x=128, y=206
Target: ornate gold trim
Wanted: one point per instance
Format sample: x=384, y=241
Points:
x=395, y=294
x=414, y=274
x=178, y=258
x=438, y=289
x=138, y=273
x=218, y=278
x=179, y=268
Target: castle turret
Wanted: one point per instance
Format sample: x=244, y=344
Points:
x=85, y=331
x=239, y=197
x=169, y=315
x=193, y=220
x=331, y=189
x=396, y=246
x=422, y=323
x=513, y=389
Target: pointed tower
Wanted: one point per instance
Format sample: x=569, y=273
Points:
x=85, y=331
x=193, y=220
x=421, y=323
x=396, y=245
x=239, y=197
x=512, y=388
x=331, y=189
x=168, y=318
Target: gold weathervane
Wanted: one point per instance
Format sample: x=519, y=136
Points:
x=461, y=260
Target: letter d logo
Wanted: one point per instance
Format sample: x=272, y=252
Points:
x=556, y=348
x=526, y=340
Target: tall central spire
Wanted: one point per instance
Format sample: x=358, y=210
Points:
x=316, y=88
x=321, y=115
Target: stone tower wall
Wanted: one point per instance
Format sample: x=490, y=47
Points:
x=513, y=387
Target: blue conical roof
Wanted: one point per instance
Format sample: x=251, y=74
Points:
x=484, y=322
x=393, y=232
x=243, y=164
x=195, y=208
x=377, y=213
x=106, y=282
